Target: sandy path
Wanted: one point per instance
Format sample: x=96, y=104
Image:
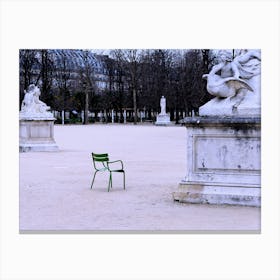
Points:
x=55, y=189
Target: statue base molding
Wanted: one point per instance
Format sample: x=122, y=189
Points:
x=163, y=119
x=191, y=192
x=36, y=135
x=223, y=161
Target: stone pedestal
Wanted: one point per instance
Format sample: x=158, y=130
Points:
x=163, y=119
x=223, y=161
x=36, y=135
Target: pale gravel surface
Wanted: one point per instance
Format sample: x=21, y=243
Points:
x=55, y=189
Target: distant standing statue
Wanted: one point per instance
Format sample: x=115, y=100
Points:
x=235, y=81
x=31, y=105
x=163, y=118
x=163, y=106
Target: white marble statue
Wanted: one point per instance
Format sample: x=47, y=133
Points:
x=227, y=83
x=31, y=105
x=235, y=83
x=162, y=106
x=163, y=118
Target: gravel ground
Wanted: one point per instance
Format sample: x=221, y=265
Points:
x=55, y=192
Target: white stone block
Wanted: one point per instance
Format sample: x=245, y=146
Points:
x=37, y=135
x=223, y=160
x=163, y=119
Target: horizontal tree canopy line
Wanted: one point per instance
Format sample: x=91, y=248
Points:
x=82, y=80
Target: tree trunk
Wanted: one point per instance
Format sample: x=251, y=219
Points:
x=86, y=108
x=134, y=106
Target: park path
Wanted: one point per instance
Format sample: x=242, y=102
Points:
x=55, y=189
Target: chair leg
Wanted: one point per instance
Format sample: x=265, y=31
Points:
x=110, y=182
x=124, y=180
x=93, y=178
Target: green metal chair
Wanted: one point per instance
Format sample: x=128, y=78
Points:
x=101, y=163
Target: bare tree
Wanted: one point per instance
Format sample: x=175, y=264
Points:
x=87, y=80
x=115, y=94
x=46, y=76
x=155, y=78
x=63, y=100
x=28, y=65
x=130, y=59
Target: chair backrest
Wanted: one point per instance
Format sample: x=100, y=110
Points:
x=101, y=158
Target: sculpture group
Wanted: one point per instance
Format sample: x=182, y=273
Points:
x=234, y=82
x=32, y=106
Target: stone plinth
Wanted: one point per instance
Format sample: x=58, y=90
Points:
x=36, y=135
x=223, y=161
x=163, y=119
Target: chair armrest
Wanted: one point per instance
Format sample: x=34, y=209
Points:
x=110, y=162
